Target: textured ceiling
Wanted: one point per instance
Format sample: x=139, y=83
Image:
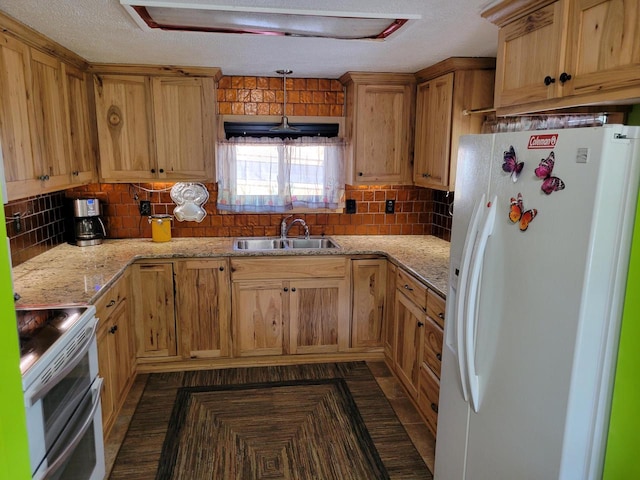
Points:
x=101, y=31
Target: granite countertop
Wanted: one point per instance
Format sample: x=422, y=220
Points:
x=68, y=274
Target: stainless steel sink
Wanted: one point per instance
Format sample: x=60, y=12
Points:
x=277, y=243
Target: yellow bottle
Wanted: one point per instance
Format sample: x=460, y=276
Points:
x=160, y=228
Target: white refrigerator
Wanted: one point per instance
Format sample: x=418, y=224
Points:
x=540, y=245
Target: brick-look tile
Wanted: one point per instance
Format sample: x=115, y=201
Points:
x=250, y=82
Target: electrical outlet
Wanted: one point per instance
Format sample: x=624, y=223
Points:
x=145, y=208
x=389, y=206
x=351, y=206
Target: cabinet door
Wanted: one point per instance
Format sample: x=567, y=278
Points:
x=258, y=317
x=154, y=310
x=125, y=136
x=382, y=133
x=16, y=117
x=390, y=322
x=433, y=132
x=184, y=113
x=603, y=51
x=124, y=347
x=529, y=50
x=369, y=292
x=316, y=309
x=432, y=348
x=106, y=352
x=409, y=322
x=82, y=153
x=51, y=138
x=428, y=397
x=203, y=304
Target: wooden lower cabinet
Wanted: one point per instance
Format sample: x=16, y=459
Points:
x=428, y=395
x=369, y=280
x=116, y=350
x=389, y=327
x=203, y=309
x=409, y=322
x=290, y=306
x=154, y=309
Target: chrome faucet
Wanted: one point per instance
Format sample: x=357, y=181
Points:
x=284, y=228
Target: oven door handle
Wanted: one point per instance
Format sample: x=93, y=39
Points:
x=57, y=463
x=71, y=364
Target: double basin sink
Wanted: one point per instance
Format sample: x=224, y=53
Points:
x=277, y=243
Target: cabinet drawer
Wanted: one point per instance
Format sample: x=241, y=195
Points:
x=436, y=307
x=412, y=288
x=279, y=268
x=428, y=394
x=432, y=350
x=109, y=301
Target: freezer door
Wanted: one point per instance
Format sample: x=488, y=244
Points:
x=546, y=305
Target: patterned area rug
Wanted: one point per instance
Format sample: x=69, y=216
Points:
x=325, y=421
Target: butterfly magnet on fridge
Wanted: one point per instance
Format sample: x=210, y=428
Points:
x=517, y=213
x=511, y=165
x=544, y=171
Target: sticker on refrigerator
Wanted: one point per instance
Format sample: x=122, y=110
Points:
x=511, y=165
x=544, y=171
x=517, y=213
x=537, y=142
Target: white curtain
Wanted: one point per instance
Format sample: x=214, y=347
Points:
x=275, y=175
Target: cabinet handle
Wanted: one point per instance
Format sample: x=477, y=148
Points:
x=153, y=170
x=111, y=303
x=439, y=356
x=426, y=175
x=113, y=329
x=75, y=173
x=293, y=289
x=434, y=407
x=43, y=178
x=286, y=289
x=564, y=77
x=441, y=316
x=548, y=80
x=360, y=174
x=420, y=324
x=407, y=287
x=221, y=269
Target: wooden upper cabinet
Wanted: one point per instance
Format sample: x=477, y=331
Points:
x=184, y=115
x=125, y=136
x=603, y=51
x=445, y=91
x=154, y=127
x=82, y=151
x=51, y=139
x=566, y=53
x=379, y=115
x=16, y=115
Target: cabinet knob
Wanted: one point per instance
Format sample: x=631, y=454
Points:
x=420, y=324
x=221, y=269
x=441, y=316
x=426, y=175
x=293, y=289
x=360, y=174
x=548, y=80
x=153, y=170
x=162, y=170
x=113, y=329
x=439, y=356
x=111, y=303
x=564, y=77
x=434, y=407
x=407, y=287
x=286, y=289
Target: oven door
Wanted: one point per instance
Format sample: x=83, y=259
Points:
x=78, y=453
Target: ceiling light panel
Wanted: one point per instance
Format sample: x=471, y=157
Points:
x=263, y=21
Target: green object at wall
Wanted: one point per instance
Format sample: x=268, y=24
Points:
x=14, y=449
x=621, y=457
x=634, y=116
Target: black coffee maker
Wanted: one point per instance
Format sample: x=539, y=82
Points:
x=88, y=226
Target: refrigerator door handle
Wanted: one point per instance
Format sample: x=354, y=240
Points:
x=471, y=316
x=461, y=298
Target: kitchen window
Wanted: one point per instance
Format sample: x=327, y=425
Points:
x=277, y=175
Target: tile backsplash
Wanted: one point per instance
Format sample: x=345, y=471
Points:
x=35, y=225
